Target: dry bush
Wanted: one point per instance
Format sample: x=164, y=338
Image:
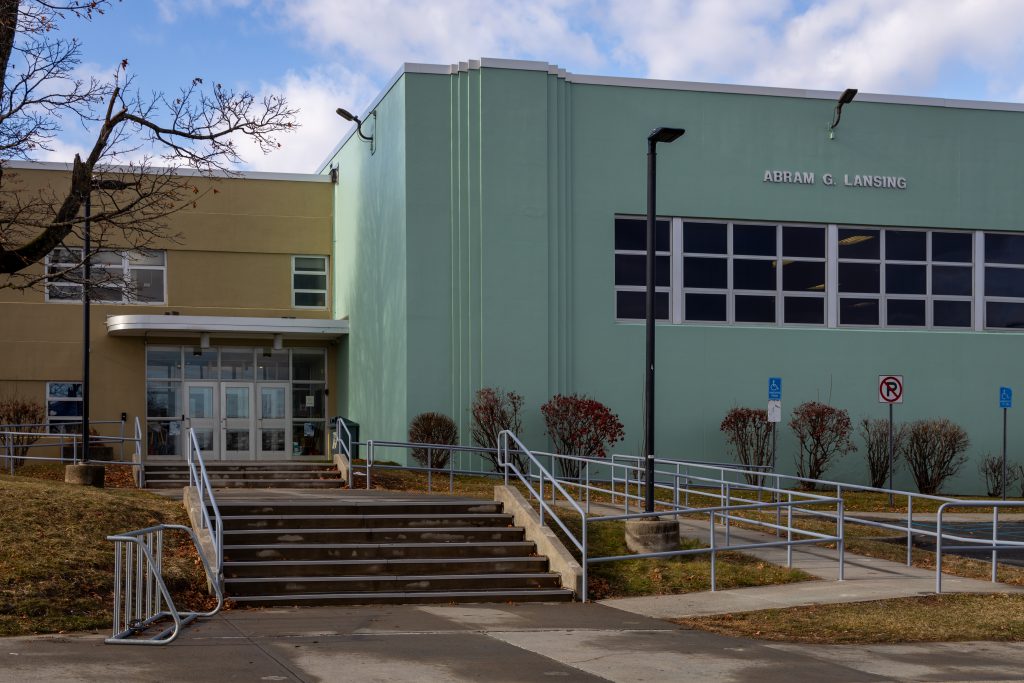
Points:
x=21, y=411
x=991, y=467
x=875, y=433
x=748, y=431
x=935, y=451
x=823, y=435
x=433, y=428
x=494, y=411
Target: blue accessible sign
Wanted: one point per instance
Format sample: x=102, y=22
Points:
x=774, y=388
x=1005, y=397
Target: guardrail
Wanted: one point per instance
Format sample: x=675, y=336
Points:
x=456, y=465
x=17, y=442
x=973, y=543
x=141, y=597
x=344, y=447
x=198, y=478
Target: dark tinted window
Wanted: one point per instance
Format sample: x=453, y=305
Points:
x=753, y=274
x=632, y=306
x=906, y=245
x=704, y=238
x=858, y=311
x=858, y=277
x=804, y=310
x=710, y=307
x=951, y=314
x=858, y=243
x=1004, y=248
x=1003, y=314
x=705, y=272
x=753, y=240
x=1004, y=282
x=952, y=280
x=632, y=270
x=755, y=309
x=803, y=276
x=631, y=235
x=949, y=246
x=900, y=279
x=799, y=241
x=905, y=312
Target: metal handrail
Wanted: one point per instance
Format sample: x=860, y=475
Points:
x=973, y=543
x=140, y=467
x=201, y=481
x=140, y=593
x=345, y=449
x=451, y=470
x=61, y=440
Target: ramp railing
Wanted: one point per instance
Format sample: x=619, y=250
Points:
x=198, y=478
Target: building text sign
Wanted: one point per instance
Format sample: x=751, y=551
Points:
x=881, y=182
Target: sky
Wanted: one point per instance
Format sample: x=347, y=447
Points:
x=322, y=54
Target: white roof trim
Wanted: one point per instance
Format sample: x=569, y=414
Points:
x=191, y=172
x=191, y=325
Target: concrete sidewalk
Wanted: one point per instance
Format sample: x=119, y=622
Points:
x=866, y=578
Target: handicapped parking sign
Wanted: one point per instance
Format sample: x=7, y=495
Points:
x=774, y=388
x=1005, y=397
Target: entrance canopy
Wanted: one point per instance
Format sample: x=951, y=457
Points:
x=224, y=326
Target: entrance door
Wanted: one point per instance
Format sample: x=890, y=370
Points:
x=201, y=415
x=272, y=420
x=236, y=422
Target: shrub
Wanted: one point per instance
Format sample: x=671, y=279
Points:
x=748, y=431
x=21, y=411
x=935, y=451
x=494, y=410
x=991, y=467
x=579, y=425
x=875, y=433
x=433, y=428
x=823, y=434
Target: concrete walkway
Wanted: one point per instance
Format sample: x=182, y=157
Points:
x=497, y=643
x=866, y=578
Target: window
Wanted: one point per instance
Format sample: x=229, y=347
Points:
x=309, y=401
x=64, y=406
x=309, y=281
x=136, y=277
x=631, y=268
x=1004, y=280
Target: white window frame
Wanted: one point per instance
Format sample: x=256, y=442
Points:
x=126, y=273
x=327, y=281
x=57, y=419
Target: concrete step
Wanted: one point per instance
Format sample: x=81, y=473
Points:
x=261, y=538
x=243, y=467
x=216, y=476
x=374, y=551
x=299, y=585
x=376, y=566
x=251, y=483
x=398, y=520
x=328, y=508
x=410, y=597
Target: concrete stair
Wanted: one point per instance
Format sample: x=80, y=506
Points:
x=290, y=475
x=349, y=551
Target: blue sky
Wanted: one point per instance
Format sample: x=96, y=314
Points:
x=327, y=53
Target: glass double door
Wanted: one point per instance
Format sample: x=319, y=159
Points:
x=239, y=420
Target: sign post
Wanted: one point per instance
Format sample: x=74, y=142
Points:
x=774, y=412
x=1005, y=402
x=890, y=390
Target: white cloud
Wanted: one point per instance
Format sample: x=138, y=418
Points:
x=170, y=10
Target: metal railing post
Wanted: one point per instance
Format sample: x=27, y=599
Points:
x=540, y=498
x=686, y=491
x=369, y=462
x=841, y=543
x=583, y=557
x=910, y=528
x=588, y=493
x=995, y=538
x=430, y=468
x=789, y=530
x=713, y=551
x=451, y=473
x=122, y=437
x=728, y=514
x=938, y=549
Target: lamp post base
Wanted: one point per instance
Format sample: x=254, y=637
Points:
x=84, y=475
x=652, y=535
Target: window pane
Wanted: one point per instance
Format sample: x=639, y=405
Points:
x=316, y=264
x=148, y=285
x=64, y=292
x=631, y=269
x=1004, y=282
x=65, y=255
x=806, y=310
x=951, y=314
x=859, y=277
x=705, y=272
x=308, y=401
x=236, y=364
x=309, y=281
x=146, y=258
x=200, y=363
x=632, y=306
x=64, y=390
x=704, y=238
x=163, y=363
x=859, y=243
x=162, y=437
x=272, y=365
x=308, y=438
x=106, y=294
x=754, y=240
x=858, y=311
x=952, y=280
x=107, y=258
x=1004, y=248
x=310, y=299
x=709, y=307
x=308, y=366
x=64, y=408
x=906, y=279
x=755, y=309
x=799, y=241
x=948, y=246
x=236, y=440
x=753, y=274
x=237, y=402
x=905, y=312
x=631, y=235
x=803, y=276
x=905, y=245
x=59, y=271
x=162, y=399
x=1003, y=314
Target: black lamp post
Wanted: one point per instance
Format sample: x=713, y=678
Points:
x=665, y=135
x=86, y=302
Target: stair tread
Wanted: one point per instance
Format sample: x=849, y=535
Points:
x=396, y=560
x=429, y=544
x=364, y=530
x=387, y=577
x=410, y=594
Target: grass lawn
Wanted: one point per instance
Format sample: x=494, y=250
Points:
x=56, y=566
x=957, y=617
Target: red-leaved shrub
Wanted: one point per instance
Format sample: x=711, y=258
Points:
x=750, y=434
x=579, y=425
x=823, y=434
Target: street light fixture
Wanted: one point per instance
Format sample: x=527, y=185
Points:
x=665, y=135
x=348, y=116
x=845, y=98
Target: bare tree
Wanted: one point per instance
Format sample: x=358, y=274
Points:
x=750, y=434
x=875, y=433
x=191, y=134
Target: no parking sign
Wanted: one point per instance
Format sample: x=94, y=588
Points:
x=890, y=389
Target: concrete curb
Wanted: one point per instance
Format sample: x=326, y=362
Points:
x=560, y=559
x=194, y=506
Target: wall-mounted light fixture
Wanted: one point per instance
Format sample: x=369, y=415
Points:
x=278, y=342
x=845, y=98
x=348, y=116
x=204, y=340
